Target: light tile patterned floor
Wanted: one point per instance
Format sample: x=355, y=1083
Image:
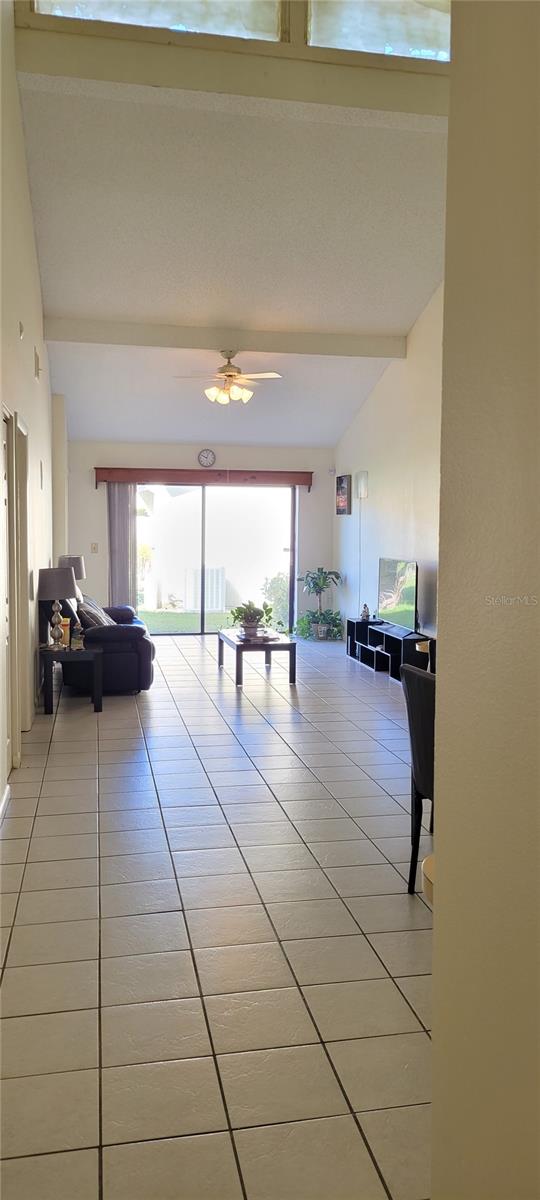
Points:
x=215, y=984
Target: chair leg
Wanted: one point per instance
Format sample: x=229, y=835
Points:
x=416, y=826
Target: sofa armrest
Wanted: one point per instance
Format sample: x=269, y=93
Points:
x=123, y=614
x=104, y=635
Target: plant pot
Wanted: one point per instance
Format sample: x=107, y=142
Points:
x=250, y=632
x=321, y=631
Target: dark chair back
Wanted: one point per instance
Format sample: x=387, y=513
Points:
x=419, y=688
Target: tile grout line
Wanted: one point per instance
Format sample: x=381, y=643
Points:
x=211, y=1132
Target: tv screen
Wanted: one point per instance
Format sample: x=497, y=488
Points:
x=397, y=592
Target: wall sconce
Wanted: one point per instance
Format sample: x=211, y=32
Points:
x=361, y=482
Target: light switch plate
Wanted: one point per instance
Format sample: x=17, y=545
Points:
x=93, y=547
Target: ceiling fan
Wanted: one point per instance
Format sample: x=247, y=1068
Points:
x=229, y=381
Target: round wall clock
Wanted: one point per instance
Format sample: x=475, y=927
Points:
x=207, y=458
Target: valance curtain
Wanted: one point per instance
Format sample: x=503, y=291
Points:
x=122, y=513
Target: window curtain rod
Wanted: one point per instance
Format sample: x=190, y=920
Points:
x=181, y=475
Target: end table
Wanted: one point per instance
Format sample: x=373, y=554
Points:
x=48, y=656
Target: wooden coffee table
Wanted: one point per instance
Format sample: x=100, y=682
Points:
x=279, y=642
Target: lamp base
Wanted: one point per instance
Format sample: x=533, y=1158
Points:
x=56, y=625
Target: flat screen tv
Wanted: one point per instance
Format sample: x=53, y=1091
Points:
x=397, y=592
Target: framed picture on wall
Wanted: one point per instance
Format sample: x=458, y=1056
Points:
x=343, y=495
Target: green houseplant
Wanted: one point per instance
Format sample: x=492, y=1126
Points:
x=309, y=623
x=249, y=617
x=322, y=623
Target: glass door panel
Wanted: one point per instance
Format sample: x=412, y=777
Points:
x=247, y=551
x=169, y=557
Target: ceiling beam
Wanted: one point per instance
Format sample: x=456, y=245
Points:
x=272, y=71
x=192, y=337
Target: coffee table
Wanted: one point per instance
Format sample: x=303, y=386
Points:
x=279, y=643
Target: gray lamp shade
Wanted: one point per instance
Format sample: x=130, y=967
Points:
x=76, y=561
x=56, y=583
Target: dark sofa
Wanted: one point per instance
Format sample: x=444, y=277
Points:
x=128, y=652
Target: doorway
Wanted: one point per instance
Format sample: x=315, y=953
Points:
x=5, y=664
x=16, y=656
x=203, y=550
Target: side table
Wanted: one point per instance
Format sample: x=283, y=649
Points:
x=48, y=656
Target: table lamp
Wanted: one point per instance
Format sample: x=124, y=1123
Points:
x=56, y=584
x=76, y=562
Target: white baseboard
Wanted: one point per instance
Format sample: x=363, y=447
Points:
x=5, y=799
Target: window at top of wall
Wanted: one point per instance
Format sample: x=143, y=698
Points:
x=408, y=28
x=257, y=19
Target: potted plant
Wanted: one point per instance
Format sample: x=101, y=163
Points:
x=316, y=583
x=334, y=624
x=319, y=626
x=249, y=617
x=309, y=624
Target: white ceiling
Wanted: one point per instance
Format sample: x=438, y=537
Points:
x=168, y=207
x=148, y=208
x=121, y=393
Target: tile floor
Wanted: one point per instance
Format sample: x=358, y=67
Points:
x=215, y=985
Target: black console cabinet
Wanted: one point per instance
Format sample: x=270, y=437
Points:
x=386, y=647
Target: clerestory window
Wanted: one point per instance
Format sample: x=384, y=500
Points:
x=231, y=18
x=417, y=29
x=407, y=28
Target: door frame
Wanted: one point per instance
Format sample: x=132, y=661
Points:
x=21, y=707
x=26, y=638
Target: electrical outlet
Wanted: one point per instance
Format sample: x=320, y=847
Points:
x=93, y=547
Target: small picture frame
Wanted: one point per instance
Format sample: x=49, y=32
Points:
x=343, y=495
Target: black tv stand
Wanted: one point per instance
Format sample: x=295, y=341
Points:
x=384, y=647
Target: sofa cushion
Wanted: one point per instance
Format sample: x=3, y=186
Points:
x=91, y=613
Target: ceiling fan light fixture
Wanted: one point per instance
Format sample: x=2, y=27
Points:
x=231, y=391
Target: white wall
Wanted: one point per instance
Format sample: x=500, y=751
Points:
x=21, y=301
x=88, y=506
x=486, y=978
x=59, y=475
x=396, y=438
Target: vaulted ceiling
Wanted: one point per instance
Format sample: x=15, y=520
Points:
x=169, y=208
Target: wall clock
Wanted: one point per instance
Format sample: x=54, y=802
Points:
x=207, y=458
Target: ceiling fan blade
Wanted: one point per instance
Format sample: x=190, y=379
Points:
x=263, y=375
x=210, y=378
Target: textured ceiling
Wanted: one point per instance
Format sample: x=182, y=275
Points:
x=150, y=207
x=120, y=393
x=172, y=207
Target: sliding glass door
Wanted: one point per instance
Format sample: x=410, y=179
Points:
x=202, y=550
x=169, y=547
x=247, y=551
